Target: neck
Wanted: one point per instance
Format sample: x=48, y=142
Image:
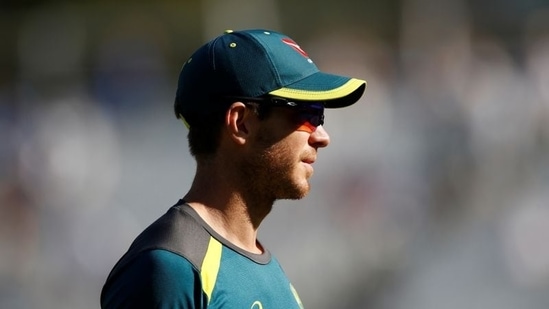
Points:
x=229, y=210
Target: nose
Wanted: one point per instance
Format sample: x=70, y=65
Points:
x=319, y=138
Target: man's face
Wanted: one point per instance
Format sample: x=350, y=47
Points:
x=279, y=163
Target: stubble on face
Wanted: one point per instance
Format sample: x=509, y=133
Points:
x=271, y=171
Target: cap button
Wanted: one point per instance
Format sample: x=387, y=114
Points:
x=228, y=31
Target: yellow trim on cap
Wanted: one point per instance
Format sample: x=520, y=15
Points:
x=308, y=95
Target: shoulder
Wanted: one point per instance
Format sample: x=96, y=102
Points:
x=162, y=270
x=155, y=278
x=177, y=231
x=165, y=258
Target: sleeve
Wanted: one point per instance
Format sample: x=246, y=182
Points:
x=156, y=279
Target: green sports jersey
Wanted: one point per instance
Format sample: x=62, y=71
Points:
x=180, y=262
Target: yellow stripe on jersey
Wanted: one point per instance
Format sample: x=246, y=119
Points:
x=210, y=267
x=296, y=296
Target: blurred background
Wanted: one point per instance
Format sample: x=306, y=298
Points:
x=434, y=192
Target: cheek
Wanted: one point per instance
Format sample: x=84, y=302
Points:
x=283, y=154
x=285, y=149
x=282, y=158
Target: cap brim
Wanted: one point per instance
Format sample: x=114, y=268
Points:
x=334, y=90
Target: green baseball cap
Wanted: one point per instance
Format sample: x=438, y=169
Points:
x=255, y=63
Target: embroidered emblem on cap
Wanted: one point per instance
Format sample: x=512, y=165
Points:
x=296, y=47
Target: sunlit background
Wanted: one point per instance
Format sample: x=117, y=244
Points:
x=434, y=192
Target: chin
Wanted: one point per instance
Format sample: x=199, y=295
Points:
x=299, y=190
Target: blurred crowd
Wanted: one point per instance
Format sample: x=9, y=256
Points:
x=434, y=192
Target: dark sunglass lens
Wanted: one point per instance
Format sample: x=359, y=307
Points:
x=320, y=120
x=314, y=118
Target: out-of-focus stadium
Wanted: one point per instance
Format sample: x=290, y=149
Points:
x=434, y=192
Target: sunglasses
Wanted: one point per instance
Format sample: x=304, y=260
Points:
x=310, y=115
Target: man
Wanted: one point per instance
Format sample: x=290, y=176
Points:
x=254, y=104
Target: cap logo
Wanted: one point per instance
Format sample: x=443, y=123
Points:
x=296, y=47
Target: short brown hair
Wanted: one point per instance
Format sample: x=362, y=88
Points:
x=205, y=129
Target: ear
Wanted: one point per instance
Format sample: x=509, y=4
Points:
x=239, y=121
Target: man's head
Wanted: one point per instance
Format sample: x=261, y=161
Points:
x=251, y=64
x=255, y=100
